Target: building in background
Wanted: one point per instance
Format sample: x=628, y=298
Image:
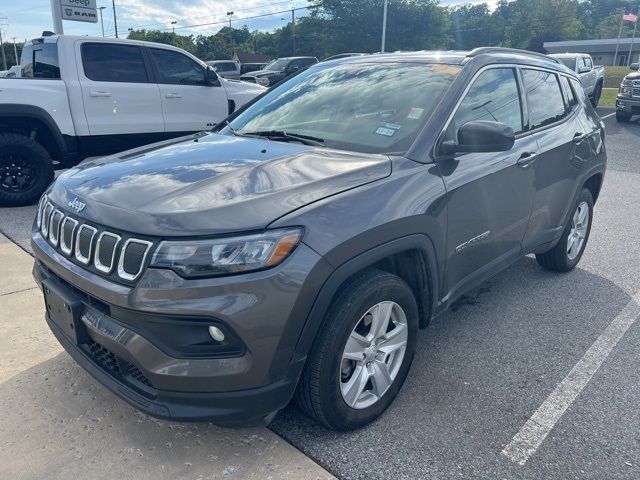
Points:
x=602, y=50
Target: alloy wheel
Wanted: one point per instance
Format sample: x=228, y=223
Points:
x=578, y=232
x=17, y=172
x=373, y=354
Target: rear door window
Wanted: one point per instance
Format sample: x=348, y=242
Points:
x=174, y=68
x=544, y=98
x=105, y=62
x=494, y=96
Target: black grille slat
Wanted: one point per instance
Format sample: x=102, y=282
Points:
x=133, y=257
x=54, y=227
x=85, y=237
x=66, y=235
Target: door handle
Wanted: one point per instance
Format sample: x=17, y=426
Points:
x=526, y=159
x=172, y=95
x=579, y=137
x=100, y=94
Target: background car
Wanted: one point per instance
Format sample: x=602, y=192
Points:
x=226, y=68
x=278, y=69
x=591, y=76
x=628, y=101
x=251, y=67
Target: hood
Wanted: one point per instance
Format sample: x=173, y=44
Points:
x=264, y=73
x=633, y=76
x=210, y=184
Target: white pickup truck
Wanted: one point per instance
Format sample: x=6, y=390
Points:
x=591, y=76
x=82, y=96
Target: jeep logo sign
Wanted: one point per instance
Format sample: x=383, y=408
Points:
x=79, y=10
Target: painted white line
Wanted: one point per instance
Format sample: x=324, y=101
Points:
x=532, y=434
x=607, y=116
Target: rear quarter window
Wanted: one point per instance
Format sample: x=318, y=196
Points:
x=40, y=60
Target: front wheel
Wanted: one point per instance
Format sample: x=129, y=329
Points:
x=568, y=252
x=26, y=170
x=362, y=354
x=622, y=116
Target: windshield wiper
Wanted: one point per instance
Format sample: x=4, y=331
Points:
x=281, y=134
x=226, y=123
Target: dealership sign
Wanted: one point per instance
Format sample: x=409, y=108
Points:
x=79, y=10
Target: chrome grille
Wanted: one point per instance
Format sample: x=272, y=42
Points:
x=132, y=258
x=54, y=227
x=84, y=243
x=66, y=235
x=106, y=251
x=635, y=92
x=92, y=246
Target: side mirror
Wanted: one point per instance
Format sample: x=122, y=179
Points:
x=634, y=66
x=584, y=69
x=212, y=77
x=481, y=136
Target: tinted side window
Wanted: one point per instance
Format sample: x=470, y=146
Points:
x=225, y=67
x=104, y=62
x=493, y=96
x=40, y=61
x=570, y=99
x=175, y=68
x=587, y=62
x=544, y=97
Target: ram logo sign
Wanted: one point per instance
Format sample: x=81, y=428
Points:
x=79, y=10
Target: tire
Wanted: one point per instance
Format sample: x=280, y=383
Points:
x=326, y=373
x=26, y=170
x=597, y=93
x=562, y=258
x=622, y=116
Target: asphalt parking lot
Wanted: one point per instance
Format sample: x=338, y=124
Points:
x=485, y=368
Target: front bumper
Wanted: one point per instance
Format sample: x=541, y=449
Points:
x=628, y=105
x=129, y=330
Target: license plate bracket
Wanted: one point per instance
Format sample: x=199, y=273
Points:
x=65, y=309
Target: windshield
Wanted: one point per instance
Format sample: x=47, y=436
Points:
x=569, y=62
x=279, y=64
x=372, y=108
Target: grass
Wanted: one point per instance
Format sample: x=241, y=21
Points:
x=613, y=76
x=608, y=98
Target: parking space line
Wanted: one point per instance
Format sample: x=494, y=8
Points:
x=532, y=434
x=607, y=116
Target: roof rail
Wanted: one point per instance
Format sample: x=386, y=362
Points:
x=480, y=50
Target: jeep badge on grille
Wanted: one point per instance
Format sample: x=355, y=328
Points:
x=77, y=205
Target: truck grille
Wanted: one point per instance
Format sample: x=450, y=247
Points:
x=99, y=249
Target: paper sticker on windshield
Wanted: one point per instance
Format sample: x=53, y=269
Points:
x=415, y=113
x=387, y=129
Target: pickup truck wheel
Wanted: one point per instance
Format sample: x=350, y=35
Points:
x=622, y=116
x=568, y=252
x=597, y=93
x=26, y=170
x=362, y=354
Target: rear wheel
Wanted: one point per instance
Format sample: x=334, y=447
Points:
x=597, y=93
x=623, y=116
x=26, y=170
x=568, y=252
x=363, y=353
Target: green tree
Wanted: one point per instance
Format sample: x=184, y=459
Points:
x=182, y=41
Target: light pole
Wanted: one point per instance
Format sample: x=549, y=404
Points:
x=101, y=22
x=115, y=21
x=293, y=29
x=15, y=51
x=384, y=26
x=230, y=14
x=4, y=58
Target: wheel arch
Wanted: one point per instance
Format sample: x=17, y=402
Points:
x=594, y=184
x=397, y=256
x=25, y=119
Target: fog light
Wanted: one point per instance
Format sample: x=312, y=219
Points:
x=216, y=334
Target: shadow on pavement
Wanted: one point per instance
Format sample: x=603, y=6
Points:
x=480, y=371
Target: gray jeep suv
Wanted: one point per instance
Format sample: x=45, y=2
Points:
x=295, y=251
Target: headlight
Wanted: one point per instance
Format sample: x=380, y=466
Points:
x=625, y=91
x=220, y=256
x=264, y=81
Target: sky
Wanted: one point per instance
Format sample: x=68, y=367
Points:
x=26, y=19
